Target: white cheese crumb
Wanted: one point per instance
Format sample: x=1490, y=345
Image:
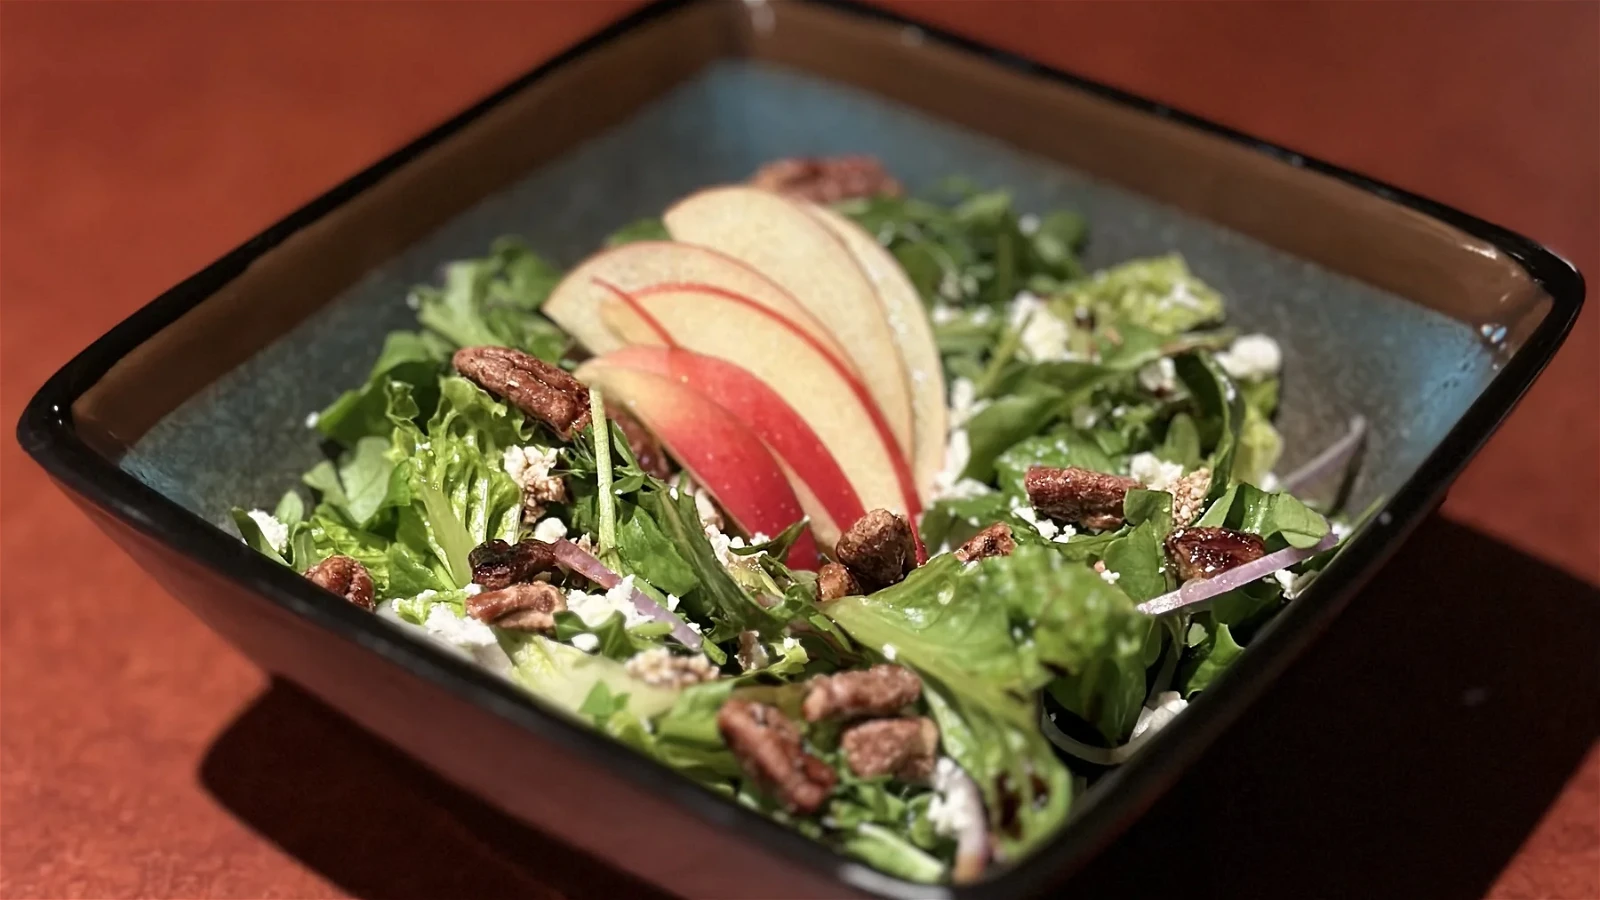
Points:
x=1154, y=472
x=1067, y=531
x=588, y=643
x=530, y=468
x=1022, y=308
x=1340, y=530
x=1045, y=337
x=1270, y=483
x=413, y=301
x=1110, y=577
x=1028, y=223
x=549, y=530
x=955, y=807
x=957, y=452
x=312, y=418
x=672, y=602
x=1285, y=579
x=1251, y=357
x=1046, y=528
x=1159, y=377
x=889, y=652
x=596, y=608
x=275, y=532
x=464, y=632
x=943, y=313
x=790, y=643
x=1084, y=417
x=1168, y=705
x=963, y=400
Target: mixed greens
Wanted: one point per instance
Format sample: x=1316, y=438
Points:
x=670, y=614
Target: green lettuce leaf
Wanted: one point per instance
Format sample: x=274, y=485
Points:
x=1158, y=293
x=1280, y=519
x=408, y=357
x=495, y=300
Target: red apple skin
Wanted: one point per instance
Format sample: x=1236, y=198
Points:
x=632, y=315
x=722, y=455
x=761, y=409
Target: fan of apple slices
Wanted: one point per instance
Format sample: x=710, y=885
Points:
x=777, y=351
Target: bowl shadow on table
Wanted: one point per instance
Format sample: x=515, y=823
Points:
x=1407, y=754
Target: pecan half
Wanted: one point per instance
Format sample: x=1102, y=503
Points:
x=882, y=690
x=826, y=179
x=768, y=747
x=646, y=449
x=877, y=549
x=1204, y=552
x=346, y=577
x=497, y=564
x=520, y=607
x=1080, y=496
x=905, y=748
x=532, y=385
x=996, y=540
x=835, y=581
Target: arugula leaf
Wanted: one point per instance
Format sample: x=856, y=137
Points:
x=1208, y=660
x=884, y=849
x=1280, y=519
x=1219, y=413
x=1138, y=558
x=717, y=597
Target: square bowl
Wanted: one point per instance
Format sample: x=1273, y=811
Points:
x=1428, y=322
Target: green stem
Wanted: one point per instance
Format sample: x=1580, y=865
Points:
x=607, y=500
x=1009, y=344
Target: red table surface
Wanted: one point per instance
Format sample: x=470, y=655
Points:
x=140, y=141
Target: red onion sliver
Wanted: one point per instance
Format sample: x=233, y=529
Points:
x=570, y=555
x=1335, y=456
x=972, y=842
x=1204, y=589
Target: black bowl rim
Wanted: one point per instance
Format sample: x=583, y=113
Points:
x=47, y=433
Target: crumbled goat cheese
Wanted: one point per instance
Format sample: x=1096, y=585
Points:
x=660, y=667
x=1022, y=308
x=1110, y=577
x=588, y=643
x=312, y=418
x=1028, y=223
x=1045, y=337
x=1340, y=530
x=530, y=468
x=955, y=808
x=276, y=533
x=1252, y=357
x=672, y=602
x=1159, y=377
x=1154, y=472
x=1067, y=531
x=594, y=609
x=1285, y=579
x=963, y=400
x=957, y=452
x=889, y=652
x=464, y=635
x=1168, y=705
x=1270, y=483
x=1084, y=417
x=1046, y=528
x=710, y=516
x=549, y=530
x=943, y=313
x=790, y=643
x=751, y=654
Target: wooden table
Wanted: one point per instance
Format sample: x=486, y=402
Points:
x=141, y=756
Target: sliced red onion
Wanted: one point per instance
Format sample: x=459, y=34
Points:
x=1206, y=588
x=972, y=839
x=1336, y=456
x=573, y=557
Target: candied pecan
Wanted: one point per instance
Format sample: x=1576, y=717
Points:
x=520, y=607
x=1189, y=496
x=995, y=540
x=882, y=690
x=1080, y=496
x=1204, y=552
x=825, y=179
x=346, y=577
x=659, y=666
x=532, y=385
x=646, y=449
x=835, y=581
x=905, y=748
x=768, y=747
x=497, y=564
x=877, y=549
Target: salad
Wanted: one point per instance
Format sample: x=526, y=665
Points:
x=880, y=515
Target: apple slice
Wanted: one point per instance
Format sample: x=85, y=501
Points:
x=816, y=385
x=820, y=484
x=574, y=304
x=724, y=456
x=800, y=255
x=913, y=335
